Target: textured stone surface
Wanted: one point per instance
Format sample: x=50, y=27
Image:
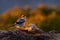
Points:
x=22, y=35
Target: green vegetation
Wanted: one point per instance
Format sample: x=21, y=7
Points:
x=49, y=18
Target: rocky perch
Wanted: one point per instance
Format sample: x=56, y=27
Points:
x=24, y=35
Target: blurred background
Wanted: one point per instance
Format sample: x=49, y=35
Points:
x=43, y=13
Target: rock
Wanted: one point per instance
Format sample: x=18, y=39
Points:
x=53, y=32
x=21, y=35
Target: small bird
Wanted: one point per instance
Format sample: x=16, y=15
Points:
x=21, y=21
